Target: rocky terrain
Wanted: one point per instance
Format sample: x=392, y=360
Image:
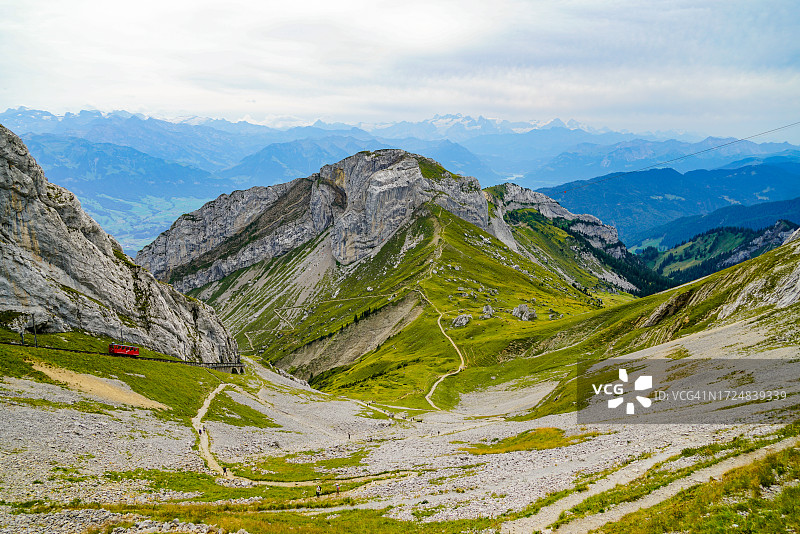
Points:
x=72, y=458
x=601, y=236
x=61, y=270
x=363, y=199
x=773, y=237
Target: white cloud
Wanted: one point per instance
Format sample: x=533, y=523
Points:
x=720, y=67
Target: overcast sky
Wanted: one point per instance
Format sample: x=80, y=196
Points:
x=724, y=67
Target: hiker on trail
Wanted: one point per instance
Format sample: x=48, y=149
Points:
x=224, y=471
x=319, y=490
x=337, y=488
x=200, y=431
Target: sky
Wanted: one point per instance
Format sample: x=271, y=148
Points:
x=725, y=68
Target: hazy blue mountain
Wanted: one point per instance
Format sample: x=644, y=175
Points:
x=534, y=152
x=518, y=154
x=786, y=157
x=119, y=171
x=280, y=162
x=134, y=196
x=201, y=146
x=638, y=201
x=755, y=217
x=588, y=159
x=455, y=127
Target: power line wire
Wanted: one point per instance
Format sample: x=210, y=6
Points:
x=613, y=176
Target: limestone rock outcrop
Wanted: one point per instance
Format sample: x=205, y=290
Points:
x=232, y=232
x=600, y=235
x=382, y=190
x=461, y=321
x=58, y=266
x=363, y=200
x=522, y=313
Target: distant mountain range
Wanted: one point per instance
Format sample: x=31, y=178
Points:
x=588, y=160
x=134, y=173
x=637, y=202
x=755, y=217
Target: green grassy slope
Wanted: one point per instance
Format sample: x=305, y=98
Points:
x=459, y=267
x=445, y=265
x=182, y=388
x=253, y=300
x=703, y=254
x=573, y=255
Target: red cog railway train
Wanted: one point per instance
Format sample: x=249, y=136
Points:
x=123, y=349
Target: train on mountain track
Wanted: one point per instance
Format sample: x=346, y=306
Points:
x=123, y=349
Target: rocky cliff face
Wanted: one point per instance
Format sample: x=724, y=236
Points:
x=596, y=242
x=363, y=199
x=232, y=232
x=382, y=190
x=600, y=235
x=57, y=264
x=780, y=233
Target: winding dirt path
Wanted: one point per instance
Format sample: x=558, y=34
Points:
x=197, y=423
x=205, y=453
x=460, y=355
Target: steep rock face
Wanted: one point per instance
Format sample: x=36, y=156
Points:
x=364, y=199
x=232, y=232
x=383, y=189
x=595, y=240
x=598, y=234
x=57, y=264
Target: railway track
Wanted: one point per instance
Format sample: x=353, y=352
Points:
x=238, y=366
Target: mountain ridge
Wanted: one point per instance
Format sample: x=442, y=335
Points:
x=365, y=197
x=642, y=200
x=755, y=217
x=368, y=244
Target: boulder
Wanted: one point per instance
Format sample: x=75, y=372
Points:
x=461, y=320
x=522, y=313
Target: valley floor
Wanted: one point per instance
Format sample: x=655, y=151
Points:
x=73, y=460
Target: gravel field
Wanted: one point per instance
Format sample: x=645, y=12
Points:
x=51, y=452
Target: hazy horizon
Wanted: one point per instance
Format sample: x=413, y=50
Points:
x=718, y=68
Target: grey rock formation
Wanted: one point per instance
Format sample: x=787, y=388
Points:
x=461, y=321
x=598, y=234
x=384, y=188
x=488, y=312
x=59, y=266
x=776, y=236
x=363, y=199
x=522, y=313
x=235, y=231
